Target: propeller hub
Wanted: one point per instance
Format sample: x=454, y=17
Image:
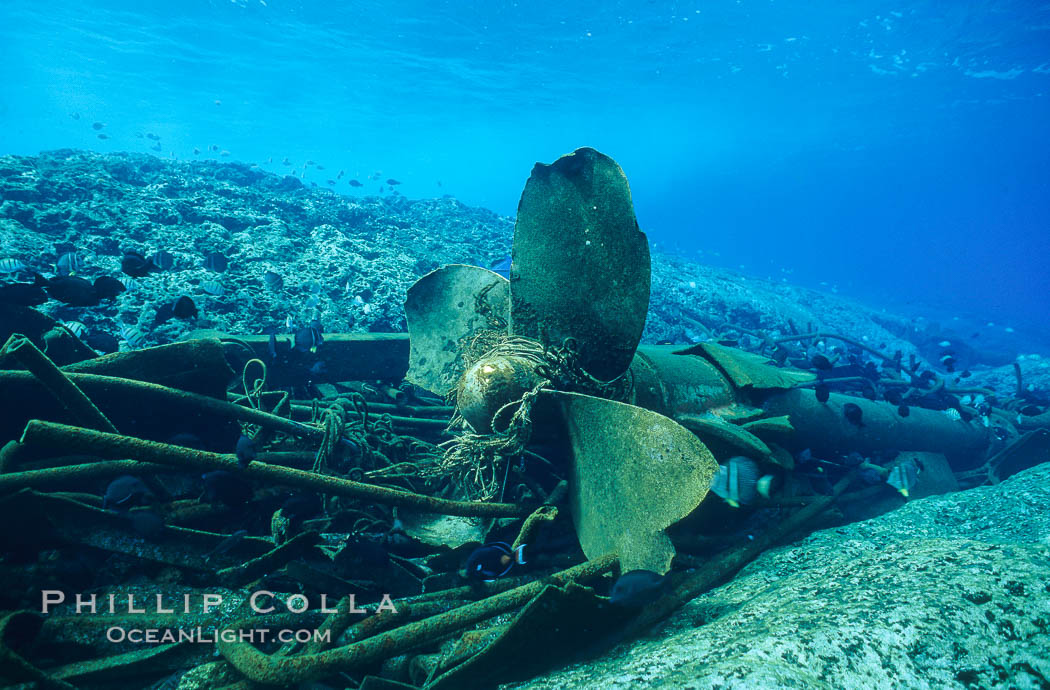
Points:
x=489, y=385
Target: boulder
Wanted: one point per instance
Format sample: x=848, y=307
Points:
x=949, y=591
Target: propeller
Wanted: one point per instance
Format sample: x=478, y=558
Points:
x=579, y=272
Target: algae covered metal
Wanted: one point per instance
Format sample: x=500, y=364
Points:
x=635, y=473
x=580, y=265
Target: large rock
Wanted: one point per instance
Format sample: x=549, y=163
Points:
x=946, y=592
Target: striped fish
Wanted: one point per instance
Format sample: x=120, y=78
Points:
x=11, y=266
x=132, y=335
x=68, y=264
x=76, y=328
x=737, y=481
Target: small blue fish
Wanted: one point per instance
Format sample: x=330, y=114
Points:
x=820, y=362
x=147, y=523
x=309, y=338
x=493, y=561
x=76, y=328
x=136, y=265
x=124, y=492
x=184, y=308
x=853, y=459
x=24, y=294
x=227, y=544
x=224, y=487
x=132, y=335
x=215, y=261
x=273, y=280
x=108, y=287
x=636, y=588
x=245, y=450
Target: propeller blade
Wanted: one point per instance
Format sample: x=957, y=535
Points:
x=445, y=309
x=580, y=264
x=635, y=473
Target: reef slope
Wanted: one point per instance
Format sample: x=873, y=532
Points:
x=946, y=592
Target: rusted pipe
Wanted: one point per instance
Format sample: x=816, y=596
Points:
x=104, y=445
x=288, y=671
x=823, y=427
x=57, y=383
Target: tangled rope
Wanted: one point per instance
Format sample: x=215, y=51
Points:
x=475, y=460
x=478, y=462
x=334, y=427
x=562, y=367
x=254, y=392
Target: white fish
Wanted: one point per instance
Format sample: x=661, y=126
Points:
x=213, y=287
x=945, y=343
x=953, y=414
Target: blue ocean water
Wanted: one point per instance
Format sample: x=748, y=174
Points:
x=897, y=152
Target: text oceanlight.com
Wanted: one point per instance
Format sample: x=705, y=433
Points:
x=207, y=635
x=261, y=602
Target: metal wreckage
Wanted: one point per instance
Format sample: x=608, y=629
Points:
x=557, y=430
